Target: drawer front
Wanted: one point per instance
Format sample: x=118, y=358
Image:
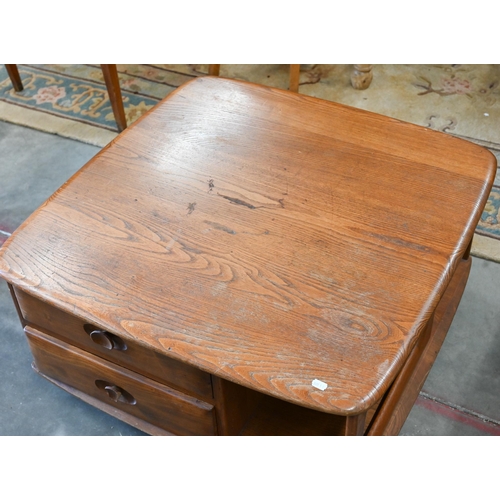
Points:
x=125, y=353
x=137, y=395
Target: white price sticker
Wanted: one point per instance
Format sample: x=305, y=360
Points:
x=319, y=384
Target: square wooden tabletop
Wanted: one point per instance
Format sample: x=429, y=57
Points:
x=288, y=244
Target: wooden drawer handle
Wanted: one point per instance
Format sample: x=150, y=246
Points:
x=117, y=394
x=105, y=339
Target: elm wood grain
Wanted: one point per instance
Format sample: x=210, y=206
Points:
x=13, y=73
x=266, y=237
x=156, y=404
x=235, y=404
x=136, y=357
x=390, y=423
x=381, y=421
x=110, y=74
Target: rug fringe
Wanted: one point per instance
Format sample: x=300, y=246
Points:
x=55, y=125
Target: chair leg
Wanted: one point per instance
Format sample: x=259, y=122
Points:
x=294, y=77
x=214, y=69
x=115, y=96
x=14, y=77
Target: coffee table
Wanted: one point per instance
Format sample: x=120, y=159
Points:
x=247, y=260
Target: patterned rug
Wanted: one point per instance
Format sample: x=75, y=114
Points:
x=463, y=100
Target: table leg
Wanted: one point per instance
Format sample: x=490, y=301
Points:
x=362, y=76
x=355, y=425
x=16, y=303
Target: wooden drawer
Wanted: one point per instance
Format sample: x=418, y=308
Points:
x=106, y=345
x=130, y=392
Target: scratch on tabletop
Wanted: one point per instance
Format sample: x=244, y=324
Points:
x=220, y=227
x=237, y=201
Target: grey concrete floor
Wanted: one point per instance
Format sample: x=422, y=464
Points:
x=460, y=397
